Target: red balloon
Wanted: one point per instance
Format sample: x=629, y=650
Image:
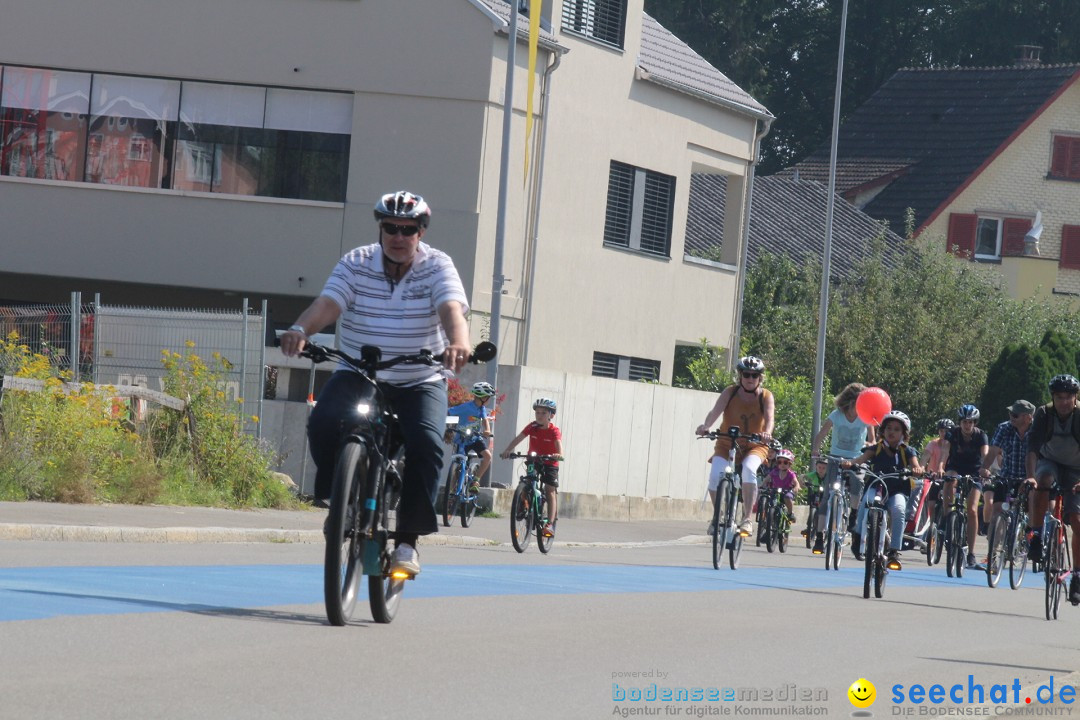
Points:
x=872, y=405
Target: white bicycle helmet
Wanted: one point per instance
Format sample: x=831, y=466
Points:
x=785, y=454
x=897, y=415
x=405, y=205
x=483, y=390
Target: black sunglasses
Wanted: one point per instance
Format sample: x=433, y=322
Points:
x=394, y=229
x=751, y=376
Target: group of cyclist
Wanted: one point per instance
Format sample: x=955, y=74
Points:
x=1039, y=447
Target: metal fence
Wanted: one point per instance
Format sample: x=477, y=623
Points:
x=124, y=345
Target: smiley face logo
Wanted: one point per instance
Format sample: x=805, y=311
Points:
x=862, y=693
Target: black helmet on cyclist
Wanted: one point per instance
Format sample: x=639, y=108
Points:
x=897, y=415
x=945, y=424
x=750, y=363
x=403, y=205
x=483, y=390
x=968, y=412
x=545, y=403
x=1064, y=384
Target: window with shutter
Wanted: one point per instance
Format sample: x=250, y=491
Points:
x=640, y=205
x=602, y=20
x=961, y=240
x=1070, y=247
x=1065, y=158
x=605, y=365
x=1012, y=236
x=641, y=369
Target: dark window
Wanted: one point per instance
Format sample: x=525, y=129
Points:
x=185, y=135
x=620, y=367
x=1070, y=247
x=640, y=205
x=1065, y=158
x=602, y=20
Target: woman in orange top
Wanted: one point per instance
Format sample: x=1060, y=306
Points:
x=751, y=408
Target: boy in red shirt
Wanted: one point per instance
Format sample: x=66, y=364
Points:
x=544, y=439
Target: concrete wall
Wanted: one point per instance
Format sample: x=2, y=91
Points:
x=1016, y=184
x=620, y=438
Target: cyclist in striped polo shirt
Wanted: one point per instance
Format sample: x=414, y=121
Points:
x=402, y=296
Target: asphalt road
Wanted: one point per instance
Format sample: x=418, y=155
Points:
x=237, y=630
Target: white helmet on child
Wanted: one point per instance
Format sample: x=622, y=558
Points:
x=897, y=415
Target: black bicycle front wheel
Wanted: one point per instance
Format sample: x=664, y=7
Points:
x=870, y=540
x=997, y=540
x=342, y=568
x=543, y=541
x=1053, y=563
x=830, y=534
x=521, y=517
x=772, y=521
x=1018, y=552
x=952, y=550
x=959, y=540
x=721, y=524
x=451, y=495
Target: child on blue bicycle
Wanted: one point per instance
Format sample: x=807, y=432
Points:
x=544, y=439
x=890, y=454
x=474, y=415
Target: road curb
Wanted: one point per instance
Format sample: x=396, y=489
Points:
x=189, y=535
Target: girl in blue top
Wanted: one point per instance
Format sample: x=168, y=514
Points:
x=849, y=436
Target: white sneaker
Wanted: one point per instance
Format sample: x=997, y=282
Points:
x=405, y=559
x=746, y=527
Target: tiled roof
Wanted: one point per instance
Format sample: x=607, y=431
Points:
x=788, y=219
x=668, y=60
x=853, y=173
x=943, y=124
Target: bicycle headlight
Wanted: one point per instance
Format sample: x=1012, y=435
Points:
x=836, y=486
x=363, y=409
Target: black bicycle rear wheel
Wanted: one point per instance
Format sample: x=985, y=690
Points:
x=521, y=517
x=721, y=524
x=384, y=591
x=341, y=567
x=450, y=494
x=997, y=539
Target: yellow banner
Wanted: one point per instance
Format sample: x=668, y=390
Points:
x=534, y=35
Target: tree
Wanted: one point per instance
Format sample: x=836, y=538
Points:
x=1021, y=372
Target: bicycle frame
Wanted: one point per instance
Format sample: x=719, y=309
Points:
x=1057, y=555
x=837, y=501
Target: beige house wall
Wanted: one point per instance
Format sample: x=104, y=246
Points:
x=427, y=115
x=1015, y=184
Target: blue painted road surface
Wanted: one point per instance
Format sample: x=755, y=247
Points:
x=43, y=592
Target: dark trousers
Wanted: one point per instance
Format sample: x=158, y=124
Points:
x=421, y=411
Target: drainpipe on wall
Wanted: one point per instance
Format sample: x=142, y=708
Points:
x=736, y=335
x=538, y=166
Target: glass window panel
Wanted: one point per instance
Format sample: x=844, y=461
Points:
x=127, y=151
x=135, y=97
x=54, y=90
x=214, y=104
x=43, y=145
x=307, y=110
x=986, y=236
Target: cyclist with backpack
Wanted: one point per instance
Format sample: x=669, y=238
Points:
x=890, y=454
x=751, y=408
x=1054, y=455
x=962, y=453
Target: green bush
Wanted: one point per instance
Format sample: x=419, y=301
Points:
x=75, y=443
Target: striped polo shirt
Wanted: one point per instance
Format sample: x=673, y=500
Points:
x=400, y=318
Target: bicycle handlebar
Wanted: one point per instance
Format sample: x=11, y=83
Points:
x=734, y=434
x=532, y=456
x=370, y=360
